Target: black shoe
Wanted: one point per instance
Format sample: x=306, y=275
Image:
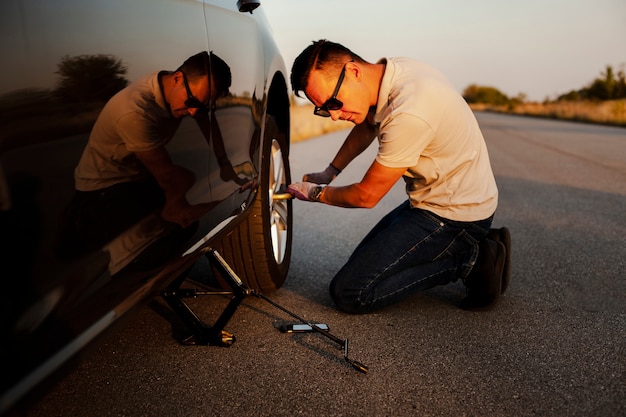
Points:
x=503, y=235
x=484, y=283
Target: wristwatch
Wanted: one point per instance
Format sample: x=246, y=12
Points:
x=316, y=192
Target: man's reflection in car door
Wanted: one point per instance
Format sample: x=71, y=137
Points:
x=131, y=192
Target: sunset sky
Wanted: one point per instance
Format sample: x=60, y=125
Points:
x=542, y=48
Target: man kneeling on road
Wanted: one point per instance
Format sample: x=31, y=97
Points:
x=429, y=136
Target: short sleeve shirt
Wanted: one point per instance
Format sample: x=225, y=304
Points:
x=136, y=119
x=425, y=125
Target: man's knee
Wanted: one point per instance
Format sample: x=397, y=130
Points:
x=353, y=307
x=347, y=302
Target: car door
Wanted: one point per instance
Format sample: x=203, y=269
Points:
x=62, y=61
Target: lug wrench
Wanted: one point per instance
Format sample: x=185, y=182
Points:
x=342, y=342
x=282, y=193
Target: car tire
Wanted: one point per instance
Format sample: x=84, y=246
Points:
x=259, y=248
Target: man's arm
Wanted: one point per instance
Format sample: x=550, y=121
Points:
x=377, y=182
x=175, y=181
x=359, y=139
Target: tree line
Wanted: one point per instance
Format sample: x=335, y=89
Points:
x=610, y=85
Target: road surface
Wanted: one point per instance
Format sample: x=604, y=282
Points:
x=554, y=346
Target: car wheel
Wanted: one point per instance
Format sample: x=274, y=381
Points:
x=259, y=249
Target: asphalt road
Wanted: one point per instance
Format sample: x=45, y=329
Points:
x=554, y=346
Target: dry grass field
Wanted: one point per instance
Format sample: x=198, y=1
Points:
x=612, y=112
x=305, y=125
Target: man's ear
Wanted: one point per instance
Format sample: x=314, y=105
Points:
x=177, y=77
x=354, y=70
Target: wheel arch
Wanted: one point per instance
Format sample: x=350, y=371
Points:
x=278, y=105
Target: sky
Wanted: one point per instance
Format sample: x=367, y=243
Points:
x=539, y=48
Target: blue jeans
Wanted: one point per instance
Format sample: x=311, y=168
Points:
x=409, y=250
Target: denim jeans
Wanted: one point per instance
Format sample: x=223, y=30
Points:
x=407, y=251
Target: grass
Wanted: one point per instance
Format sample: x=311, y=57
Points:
x=305, y=125
x=611, y=112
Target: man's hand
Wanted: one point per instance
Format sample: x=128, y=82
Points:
x=184, y=214
x=324, y=177
x=302, y=190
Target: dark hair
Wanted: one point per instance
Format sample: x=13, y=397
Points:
x=321, y=54
x=200, y=64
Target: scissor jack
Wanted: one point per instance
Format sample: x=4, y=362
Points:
x=203, y=334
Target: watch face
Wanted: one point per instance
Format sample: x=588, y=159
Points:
x=317, y=191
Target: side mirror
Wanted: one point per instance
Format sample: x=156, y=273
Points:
x=248, y=5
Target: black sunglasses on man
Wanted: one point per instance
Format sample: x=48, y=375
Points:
x=332, y=103
x=192, y=102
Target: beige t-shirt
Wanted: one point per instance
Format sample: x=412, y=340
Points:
x=136, y=119
x=425, y=125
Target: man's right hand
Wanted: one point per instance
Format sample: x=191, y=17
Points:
x=324, y=177
x=301, y=190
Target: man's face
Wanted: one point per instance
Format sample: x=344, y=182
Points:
x=321, y=87
x=186, y=98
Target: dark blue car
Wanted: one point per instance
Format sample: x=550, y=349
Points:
x=88, y=230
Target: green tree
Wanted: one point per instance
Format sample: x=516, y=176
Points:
x=485, y=95
x=571, y=96
x=89, y=78
x=602, y=88
x=620, y=84
x=609, y=86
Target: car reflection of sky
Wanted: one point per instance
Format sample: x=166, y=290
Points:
x=36, y=39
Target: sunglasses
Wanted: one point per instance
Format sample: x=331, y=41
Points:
x=332, y=103
x=192, y=102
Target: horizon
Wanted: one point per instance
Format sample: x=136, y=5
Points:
x=541, y=49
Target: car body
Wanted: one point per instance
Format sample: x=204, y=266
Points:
x=63, y=61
